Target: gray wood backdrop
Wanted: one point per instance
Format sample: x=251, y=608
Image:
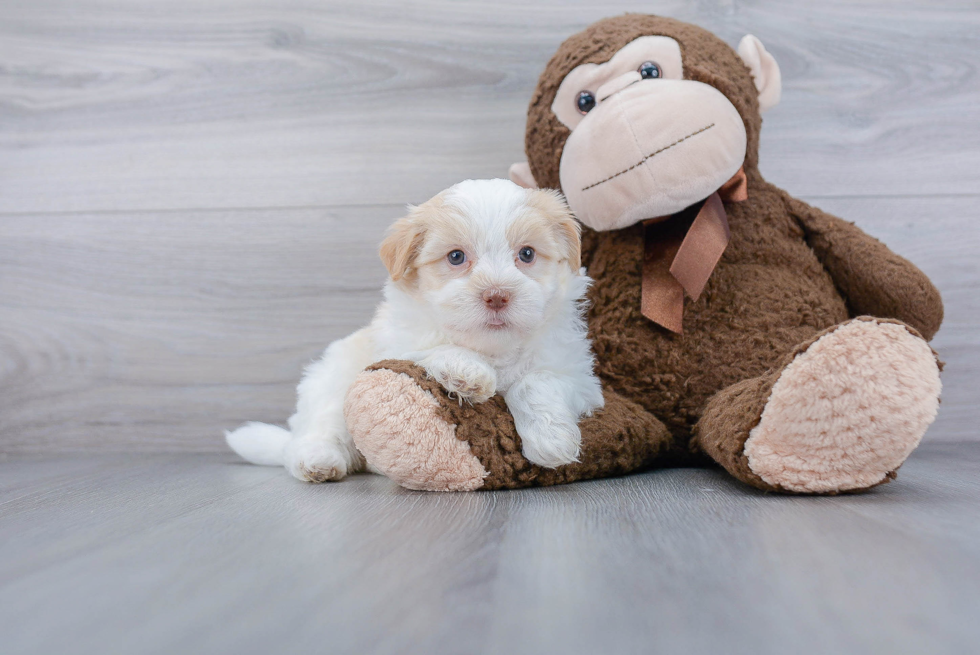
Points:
x=191, y=193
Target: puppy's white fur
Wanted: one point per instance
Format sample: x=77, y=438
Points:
x=533, y=350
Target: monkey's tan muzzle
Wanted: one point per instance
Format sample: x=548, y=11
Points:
x=650, y=150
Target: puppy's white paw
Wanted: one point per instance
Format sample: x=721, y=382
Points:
x=469, y=378
x=550, y=442
x=312, y=460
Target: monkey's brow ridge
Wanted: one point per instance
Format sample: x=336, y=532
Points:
x=652, y=154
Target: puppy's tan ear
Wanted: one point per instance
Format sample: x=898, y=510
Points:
x=572, y=233
x=401, y=247
x=568, y=232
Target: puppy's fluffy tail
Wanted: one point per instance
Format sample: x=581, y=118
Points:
x=259, y=443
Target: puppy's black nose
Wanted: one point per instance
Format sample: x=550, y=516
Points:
x=495, y=299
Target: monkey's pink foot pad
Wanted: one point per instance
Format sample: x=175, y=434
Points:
x=847, y=412
x=399, y=429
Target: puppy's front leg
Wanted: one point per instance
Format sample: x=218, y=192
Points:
x=542, y=406
x=459, y=371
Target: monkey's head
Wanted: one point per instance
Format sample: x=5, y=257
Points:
x=641, y=116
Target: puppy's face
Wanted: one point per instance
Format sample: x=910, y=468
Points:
x=487, y=258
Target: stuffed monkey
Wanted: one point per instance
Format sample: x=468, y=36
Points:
x=731, y=322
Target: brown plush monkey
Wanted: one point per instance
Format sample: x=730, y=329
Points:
x=730, y=321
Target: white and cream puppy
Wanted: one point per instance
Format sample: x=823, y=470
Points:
x=486, y=294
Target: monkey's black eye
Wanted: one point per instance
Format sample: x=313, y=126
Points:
x=585, y=102
x=456, y=257
x=650, y=70
x=526, y=254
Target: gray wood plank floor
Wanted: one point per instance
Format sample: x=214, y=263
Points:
x=189, y=553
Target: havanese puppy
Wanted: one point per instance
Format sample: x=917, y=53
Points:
x=486, y=294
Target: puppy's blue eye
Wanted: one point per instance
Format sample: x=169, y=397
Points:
x=650, y=70
x=526, y=254
x=456, y=257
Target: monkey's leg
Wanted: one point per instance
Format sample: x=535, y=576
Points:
x=409, y=429
x=841, y=412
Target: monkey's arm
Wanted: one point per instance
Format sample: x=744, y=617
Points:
x=872, y=279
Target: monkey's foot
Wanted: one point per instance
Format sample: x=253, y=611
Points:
x=409, y=429
x=404, y=433
x=842, y=415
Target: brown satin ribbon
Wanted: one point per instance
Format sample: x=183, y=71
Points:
x=680, y=253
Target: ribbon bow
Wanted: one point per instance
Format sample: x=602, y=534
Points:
x=679, y=254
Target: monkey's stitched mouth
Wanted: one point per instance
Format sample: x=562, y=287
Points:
x=650, y=156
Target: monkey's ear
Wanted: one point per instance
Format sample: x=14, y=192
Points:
x=765, y=71
x=520, y=174
x=401, y=247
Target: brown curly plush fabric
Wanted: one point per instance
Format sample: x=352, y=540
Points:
x=789, y=271
x=619, y=439
x=789, y=274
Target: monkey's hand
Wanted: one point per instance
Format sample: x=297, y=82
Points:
x=873, y=280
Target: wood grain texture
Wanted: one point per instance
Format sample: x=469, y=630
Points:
x=157, y=331
x=191, y=198
x=201, y=554
x=113, y=105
